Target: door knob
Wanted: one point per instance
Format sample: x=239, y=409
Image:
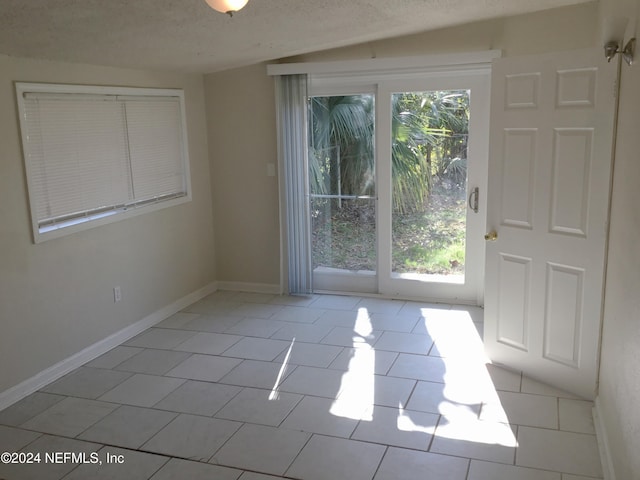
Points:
x=492, y=236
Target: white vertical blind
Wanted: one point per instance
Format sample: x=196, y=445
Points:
x=291, y=102
x=89, y=154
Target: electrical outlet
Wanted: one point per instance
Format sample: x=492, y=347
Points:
x=117, y=294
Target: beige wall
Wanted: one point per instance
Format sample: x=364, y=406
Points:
x=565, y=28
x=242, y=142
x=242, y=132
x=56, y=297
x=619, y=394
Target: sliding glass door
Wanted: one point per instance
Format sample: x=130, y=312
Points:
x=396, y=182
x=429, y=136
x=342, y=190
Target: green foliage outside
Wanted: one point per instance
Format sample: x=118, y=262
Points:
x=431, y=241
x=428, y=153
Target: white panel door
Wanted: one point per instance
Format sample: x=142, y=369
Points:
x=550, y=161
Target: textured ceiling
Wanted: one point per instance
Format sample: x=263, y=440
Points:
x=187, y=35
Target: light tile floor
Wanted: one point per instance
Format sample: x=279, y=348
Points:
x=257, y=387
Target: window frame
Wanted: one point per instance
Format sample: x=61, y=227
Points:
x=113, y=213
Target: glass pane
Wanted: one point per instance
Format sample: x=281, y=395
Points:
x=429, y=178
x=343, y=234
x=342, y=182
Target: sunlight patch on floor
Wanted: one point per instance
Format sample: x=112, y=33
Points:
x=470, y=429
x=406, y=424
x=363, y=323
x=355, y=398
x=467, y=384
x=274, y=391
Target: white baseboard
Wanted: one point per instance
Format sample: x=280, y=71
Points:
x=270, y=288
x=12, y=395
x=603, y=442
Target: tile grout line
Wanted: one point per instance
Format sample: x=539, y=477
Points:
x=515, y=450
x=311, y=435
x=382, y=457
x=468, y=469
x=433, y=435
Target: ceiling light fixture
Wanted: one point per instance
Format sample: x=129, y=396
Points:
x=227, y=6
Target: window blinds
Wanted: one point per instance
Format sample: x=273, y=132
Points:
x=76, y=153
x=155, y=148
x=91, y=155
